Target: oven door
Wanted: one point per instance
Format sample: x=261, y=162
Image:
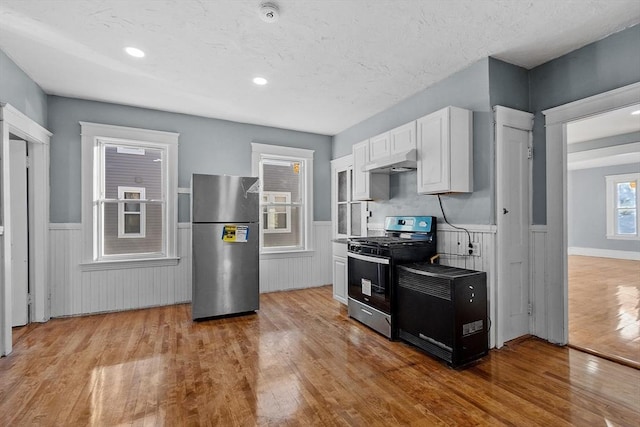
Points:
x=370, y=280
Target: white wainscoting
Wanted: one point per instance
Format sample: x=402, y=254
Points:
x=538, y=268
x=279, y=274
x=75, y=292
x=485, y=235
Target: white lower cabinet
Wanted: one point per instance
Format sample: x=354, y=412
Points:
x=340, y=279
x=340, y=272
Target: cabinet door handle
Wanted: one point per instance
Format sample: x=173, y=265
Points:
x=504, y=211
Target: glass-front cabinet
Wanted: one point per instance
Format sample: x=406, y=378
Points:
x=349, y=214
x=348, y=218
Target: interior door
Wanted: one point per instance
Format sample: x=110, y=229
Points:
x=515, y=212
x=513, y=138
x=20, y=233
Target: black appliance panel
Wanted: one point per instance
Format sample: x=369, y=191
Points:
x=370, y=281
x=443, y=310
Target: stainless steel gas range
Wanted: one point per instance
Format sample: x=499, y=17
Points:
x=372, y=265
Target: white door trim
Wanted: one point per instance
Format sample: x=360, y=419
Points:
x=556, y=165
x=505, y=117
x=16, y=123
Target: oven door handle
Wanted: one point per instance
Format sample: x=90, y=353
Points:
x=369, y=258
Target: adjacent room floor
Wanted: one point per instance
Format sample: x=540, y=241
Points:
x=299, y=361
x=604, y=307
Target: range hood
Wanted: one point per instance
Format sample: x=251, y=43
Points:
x=394, y=163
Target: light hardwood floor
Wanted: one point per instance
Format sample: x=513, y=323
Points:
x=604, y=307
x=300, y=361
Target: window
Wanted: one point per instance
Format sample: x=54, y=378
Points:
x=129, y=192
x=132, y=215
x=622, y=206
x=286, y=177
x=276, y=215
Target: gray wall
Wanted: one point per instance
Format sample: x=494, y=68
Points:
x=468, y=89
x=508, y=85
x=17, y=89
x=601, y=66
x=206, y=146
x=598, y=67
x=587, y=222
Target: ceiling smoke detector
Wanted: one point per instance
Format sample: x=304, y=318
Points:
x=269, y=12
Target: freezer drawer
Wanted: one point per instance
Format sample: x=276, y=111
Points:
x=225, y=274
x=220, y=198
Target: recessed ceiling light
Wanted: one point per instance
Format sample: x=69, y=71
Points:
x=135, y=52
x=635, y=113
x=260, y=81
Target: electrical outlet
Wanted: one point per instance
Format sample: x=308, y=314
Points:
x=475, y=247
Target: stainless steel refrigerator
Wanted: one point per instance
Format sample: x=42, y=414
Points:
x=224, y=238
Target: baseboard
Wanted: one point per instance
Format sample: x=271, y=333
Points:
x=603, y=253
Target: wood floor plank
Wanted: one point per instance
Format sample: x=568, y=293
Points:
x=604, y=296
x=299, y=361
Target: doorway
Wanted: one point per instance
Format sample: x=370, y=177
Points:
x=14, y=125
x=18, y=156
x=554, y=294
x=603, y=249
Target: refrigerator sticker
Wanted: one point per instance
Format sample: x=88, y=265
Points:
x=366, y=287
x=235, y=233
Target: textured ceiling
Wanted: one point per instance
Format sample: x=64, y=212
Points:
x=330, y=63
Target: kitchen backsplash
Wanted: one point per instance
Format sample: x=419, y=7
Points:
x=403, y=200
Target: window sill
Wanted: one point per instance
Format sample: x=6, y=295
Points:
x=287, y=254
x=129, y=263
x=618, y=237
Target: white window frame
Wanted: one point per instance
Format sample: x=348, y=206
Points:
x=612, y=206
x=122, y=213
x=93, y=136
x=271, y=195
x=304, y=156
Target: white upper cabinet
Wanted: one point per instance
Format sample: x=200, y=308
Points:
x=366, y=185
x=379, y=147
x=403, y=138
x=445, y=151
x=398, y=140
